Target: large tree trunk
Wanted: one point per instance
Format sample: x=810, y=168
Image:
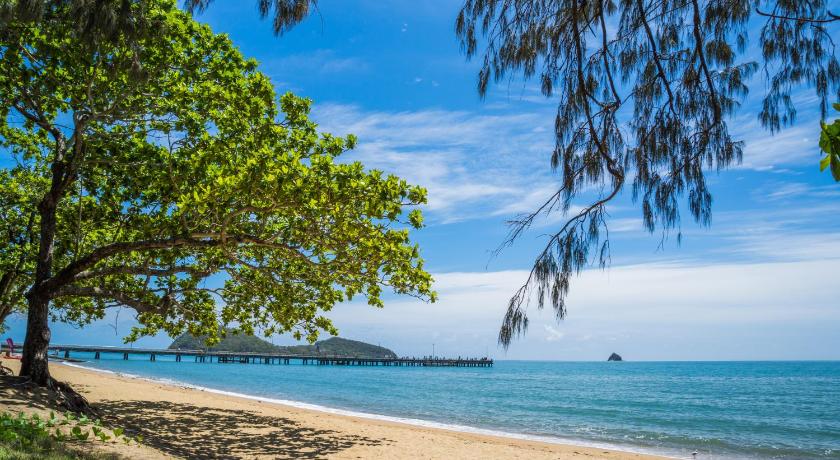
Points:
x=34, y=363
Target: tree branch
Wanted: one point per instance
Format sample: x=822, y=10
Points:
x=831, y=17
x=196, y=240
x=144, y=270
x=659, y=68
x=100, y=293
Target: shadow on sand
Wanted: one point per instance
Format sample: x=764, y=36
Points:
x=17, y=393
x=189, y=431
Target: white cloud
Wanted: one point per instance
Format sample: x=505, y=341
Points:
x=797, y=246
x=653, y=311
x=763, y=151
x=779, y=305
x=494, y=163
x=627, y=225
x=552, y=334
x=780, y=233
x=779, y=191
x=324, y=61
x=473, y=165
x=795, y=145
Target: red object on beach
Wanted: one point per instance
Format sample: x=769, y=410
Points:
x=11, y=348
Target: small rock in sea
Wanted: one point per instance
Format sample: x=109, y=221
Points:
x=614, y=357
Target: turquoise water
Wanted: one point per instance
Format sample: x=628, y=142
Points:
x=721, y=409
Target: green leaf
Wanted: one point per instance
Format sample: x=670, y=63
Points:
x=825, y=162
x=835, y=167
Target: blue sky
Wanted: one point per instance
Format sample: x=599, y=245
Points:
x=760, y=283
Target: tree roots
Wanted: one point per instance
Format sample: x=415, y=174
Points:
x=70, y=399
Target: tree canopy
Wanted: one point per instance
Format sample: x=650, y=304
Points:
x=112, y=19
x=19, y=189
x=169, y=179
x=645, y=89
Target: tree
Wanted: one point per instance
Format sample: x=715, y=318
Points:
x=645, y=91
x=171, y=182
x=109, y=19
x=830, y=145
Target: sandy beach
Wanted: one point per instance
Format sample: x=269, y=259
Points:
x=178, y=422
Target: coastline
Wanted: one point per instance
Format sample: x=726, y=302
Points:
x=293, y=429
x=383, y=418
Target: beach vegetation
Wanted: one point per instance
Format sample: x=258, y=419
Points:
x=30, y=436
x=646, y=93
x=168, y=178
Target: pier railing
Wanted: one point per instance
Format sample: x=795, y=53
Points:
x=203, y=356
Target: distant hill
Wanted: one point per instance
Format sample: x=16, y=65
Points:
x=334, y=346
x=342, y=347
x=233, y=342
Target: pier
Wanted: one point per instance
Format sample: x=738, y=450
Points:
x=202, y=356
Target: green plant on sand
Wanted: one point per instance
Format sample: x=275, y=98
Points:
x=25, y=436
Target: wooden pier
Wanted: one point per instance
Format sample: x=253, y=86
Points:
x=201, y=356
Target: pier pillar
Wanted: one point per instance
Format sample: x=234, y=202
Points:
x=125, y=356
x=152, y=357
x=66, y=354
x=96, y=356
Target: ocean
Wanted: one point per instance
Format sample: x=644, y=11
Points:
x=721, y=410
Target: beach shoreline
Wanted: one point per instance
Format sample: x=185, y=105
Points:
x=243, y=426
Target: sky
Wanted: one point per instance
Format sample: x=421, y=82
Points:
x=759, y=284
